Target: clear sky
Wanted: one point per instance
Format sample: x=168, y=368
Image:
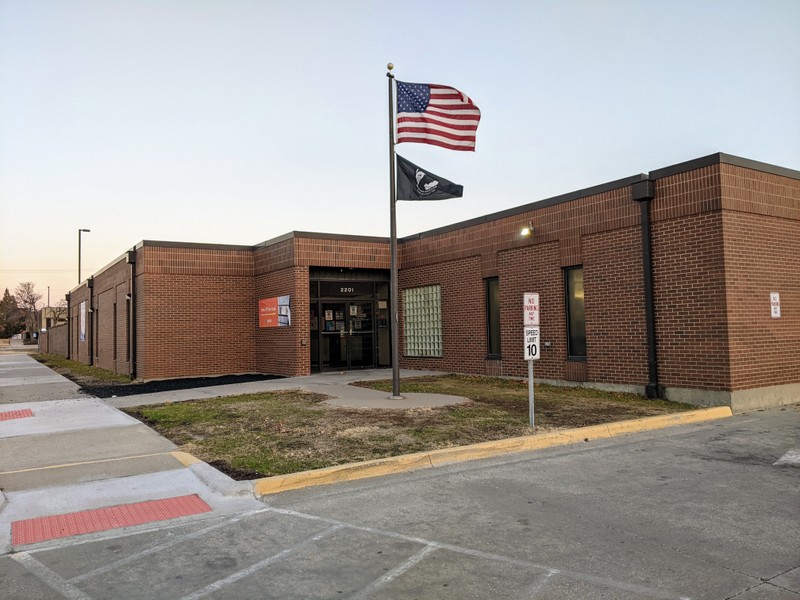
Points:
x=234, y=122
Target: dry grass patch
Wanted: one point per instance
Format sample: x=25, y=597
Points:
x=274, y=433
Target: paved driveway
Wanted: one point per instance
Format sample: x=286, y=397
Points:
x=696, y=511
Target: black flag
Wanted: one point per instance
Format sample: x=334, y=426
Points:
x=414, y=183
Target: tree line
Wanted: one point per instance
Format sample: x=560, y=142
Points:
x=19, y=311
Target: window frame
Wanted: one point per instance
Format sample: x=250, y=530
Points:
x=494, y=334
x=571, y=319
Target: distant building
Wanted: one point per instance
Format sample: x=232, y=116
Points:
x=682, y=283
x=50, y=316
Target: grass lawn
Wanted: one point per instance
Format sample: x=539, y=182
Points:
x=78, y=371
x=274, y=433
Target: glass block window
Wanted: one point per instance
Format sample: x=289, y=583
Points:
x=422, y=308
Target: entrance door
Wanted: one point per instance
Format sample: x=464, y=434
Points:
x=347, y=335
x=360, y=339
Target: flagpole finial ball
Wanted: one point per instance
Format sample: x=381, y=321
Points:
x=390, y=66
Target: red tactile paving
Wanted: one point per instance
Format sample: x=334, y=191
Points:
x=30, y=531
x=15, y=414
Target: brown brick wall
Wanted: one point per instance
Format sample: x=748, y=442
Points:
x=562, y=232
x=756, y=192
x=616, y=332
x=463, y=315
x=689, y=290
x=111, y=334
x=762, y=255
x=724, y=237
x=196, y=312
x=533, y=268
x=314, y=251
x=79, y=350
x=356, y=254
x=55, y=340
x=284, y=350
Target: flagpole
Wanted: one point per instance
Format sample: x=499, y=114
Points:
x=395, y=324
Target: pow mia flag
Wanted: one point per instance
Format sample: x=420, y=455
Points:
x=414, y=183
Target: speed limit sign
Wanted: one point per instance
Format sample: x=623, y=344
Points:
x=531, y=343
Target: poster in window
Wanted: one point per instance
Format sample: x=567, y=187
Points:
x=275, y=312
x=82, y=333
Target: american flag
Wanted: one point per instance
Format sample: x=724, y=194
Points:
x=436, y=114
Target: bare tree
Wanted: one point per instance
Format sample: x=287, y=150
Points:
x=28, y=299
x=51, y=316
x=59, y=311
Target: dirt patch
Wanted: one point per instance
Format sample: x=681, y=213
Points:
x=108, y=390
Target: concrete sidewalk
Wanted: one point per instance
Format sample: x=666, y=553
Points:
x=335, y=384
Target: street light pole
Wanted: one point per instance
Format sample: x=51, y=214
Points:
x=79, y=252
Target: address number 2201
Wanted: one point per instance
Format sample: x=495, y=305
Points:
x=346, y=290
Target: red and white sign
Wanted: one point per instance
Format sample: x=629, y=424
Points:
x=268, y=312
x=775, y=304
x=530, y=307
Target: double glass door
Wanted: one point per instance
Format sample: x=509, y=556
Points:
x=347, y=335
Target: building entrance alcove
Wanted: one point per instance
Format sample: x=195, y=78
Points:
x=349, y=319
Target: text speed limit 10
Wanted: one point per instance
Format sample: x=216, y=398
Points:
x=532, y=343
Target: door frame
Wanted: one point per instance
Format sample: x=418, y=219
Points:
x=347, y=292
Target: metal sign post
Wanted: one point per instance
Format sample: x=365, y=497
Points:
x=530, y=319
x=531, y=354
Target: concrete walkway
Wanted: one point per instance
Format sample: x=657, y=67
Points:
x=335, y=384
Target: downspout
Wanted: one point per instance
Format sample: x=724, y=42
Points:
x=90, y=287
x=132, y=313
x=643, y=192
x=69, y=327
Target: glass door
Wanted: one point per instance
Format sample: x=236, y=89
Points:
x=333, y=346
x=347, y=334
x=360, y=341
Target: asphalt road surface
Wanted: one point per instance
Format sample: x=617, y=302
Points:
x=696, y=511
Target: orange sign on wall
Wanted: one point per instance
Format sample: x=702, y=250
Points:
x=268, y=312
x=274, y=312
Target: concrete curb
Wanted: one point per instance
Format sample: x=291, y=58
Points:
x=422, y=460
x=2, y=501
x=213, y=478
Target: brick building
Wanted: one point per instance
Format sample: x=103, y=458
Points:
x=682, y=283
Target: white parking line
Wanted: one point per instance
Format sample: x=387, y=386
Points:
x=226, y=581
x=50, y=577
x=792, y=457
x=394, y=573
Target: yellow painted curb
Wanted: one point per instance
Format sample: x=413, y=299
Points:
x=186, y=459
x=420, y=460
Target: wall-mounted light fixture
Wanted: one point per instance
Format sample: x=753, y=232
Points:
x=527, y=231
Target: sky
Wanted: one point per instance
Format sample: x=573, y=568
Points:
x=234, y=122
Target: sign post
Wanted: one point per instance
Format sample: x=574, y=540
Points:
x=532, y=345
x=530, y=313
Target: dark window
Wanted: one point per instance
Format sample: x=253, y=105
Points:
x=128, y=330
x=115, y=331
x=493, y=316
x=576, y=319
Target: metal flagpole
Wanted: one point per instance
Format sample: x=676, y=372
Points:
x=395, y=325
